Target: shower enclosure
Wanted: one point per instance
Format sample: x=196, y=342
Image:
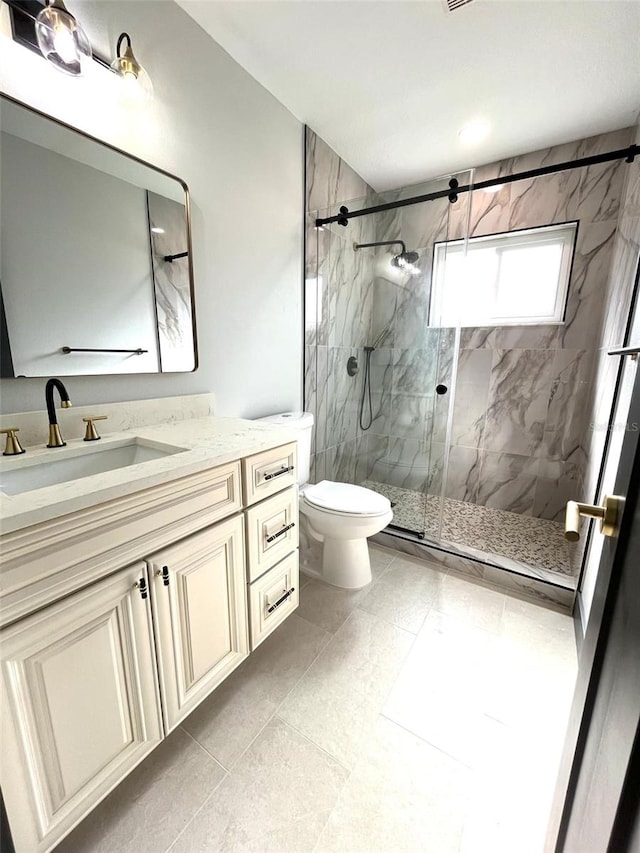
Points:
x=470, y=406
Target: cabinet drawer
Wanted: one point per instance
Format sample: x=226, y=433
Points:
x=266, y=473
x=272, y=598
x=272, y=531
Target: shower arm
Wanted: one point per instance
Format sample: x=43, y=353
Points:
x=357, y=246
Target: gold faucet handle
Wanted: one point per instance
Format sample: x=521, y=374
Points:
x=13, y=446
x=91, y=433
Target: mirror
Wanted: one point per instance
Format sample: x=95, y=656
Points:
x=95, y=256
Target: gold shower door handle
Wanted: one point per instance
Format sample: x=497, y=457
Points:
x=609, y=516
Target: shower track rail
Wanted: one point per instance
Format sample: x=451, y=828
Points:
x=454, y=190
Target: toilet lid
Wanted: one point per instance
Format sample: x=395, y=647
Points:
x=343, y=497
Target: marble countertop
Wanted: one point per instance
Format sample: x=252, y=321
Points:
x=205, y=442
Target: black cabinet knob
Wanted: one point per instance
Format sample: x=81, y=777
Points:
x=441, y=389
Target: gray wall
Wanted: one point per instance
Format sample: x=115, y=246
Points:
x=240, y=151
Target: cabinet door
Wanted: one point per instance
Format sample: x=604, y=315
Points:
x=80, y=705
x=200, y=609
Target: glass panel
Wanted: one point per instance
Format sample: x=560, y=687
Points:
x=385, y=426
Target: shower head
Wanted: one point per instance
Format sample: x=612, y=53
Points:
x=404, y=261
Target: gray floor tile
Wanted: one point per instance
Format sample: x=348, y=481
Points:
x=440, y=690
x=227, y=722
x=404, y=594
x=153, y=805
x=338, y=700
x=402, y=796
x=281, y=790
x=472, y=603
x=328, y=606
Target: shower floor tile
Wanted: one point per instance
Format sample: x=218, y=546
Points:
x=535, y=542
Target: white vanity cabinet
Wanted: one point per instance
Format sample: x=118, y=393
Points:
x=200, y=615
x=79, y=702
x=98, y=662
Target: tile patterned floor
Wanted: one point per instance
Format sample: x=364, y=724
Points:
x=533, y=541
x=423, y=713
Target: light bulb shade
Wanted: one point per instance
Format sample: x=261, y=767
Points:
x=132, y=74
x=62, y=40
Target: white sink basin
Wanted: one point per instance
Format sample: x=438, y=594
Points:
x=74, y=463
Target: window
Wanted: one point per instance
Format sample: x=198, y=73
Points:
x=516, y=278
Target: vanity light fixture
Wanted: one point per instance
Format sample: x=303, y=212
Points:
x=61, y=39
x=127, y=67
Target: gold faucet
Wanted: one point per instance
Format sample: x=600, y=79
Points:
x=55, y=439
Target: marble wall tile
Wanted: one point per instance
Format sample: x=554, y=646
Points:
x=329, y=180
x=510, y=337
x=471, y=396
x=519, y=392
x=414, y=371
x=382, y=361
x=406, y=463
x=591, y=263
x=508, y=481
x=411, y=416
x=411, y=320
x=422, y=225
x=557, y=483
x=463, y=474
x=341, y=462
x=569, y=405
x=385, y=296
x=436, y=476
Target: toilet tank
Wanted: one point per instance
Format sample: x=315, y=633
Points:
x=303, y=423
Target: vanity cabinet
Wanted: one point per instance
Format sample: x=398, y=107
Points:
x=200, y=615
x=80, y=705
x=98, y=662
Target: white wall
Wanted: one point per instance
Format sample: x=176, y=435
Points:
x=240, y=152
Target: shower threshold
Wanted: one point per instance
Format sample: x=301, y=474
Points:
x=520, y=544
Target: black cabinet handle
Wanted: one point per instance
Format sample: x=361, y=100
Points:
x=441, y=389
x=164, y=574
x=281, y=532
x=279, y=473
x=142, y=586
x=281, y=600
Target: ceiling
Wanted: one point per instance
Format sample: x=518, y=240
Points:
x=388, y=84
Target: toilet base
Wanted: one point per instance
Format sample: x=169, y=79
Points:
x=346, y=563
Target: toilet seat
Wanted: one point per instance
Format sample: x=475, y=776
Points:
x=345, y=499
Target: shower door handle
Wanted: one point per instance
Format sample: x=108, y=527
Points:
x=609, y=516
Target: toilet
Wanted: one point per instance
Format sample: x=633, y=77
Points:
x=340, y=516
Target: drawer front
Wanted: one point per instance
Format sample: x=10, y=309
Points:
x=272, y=531
x=45, y=562
x=272, y=598
x=267, y=473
